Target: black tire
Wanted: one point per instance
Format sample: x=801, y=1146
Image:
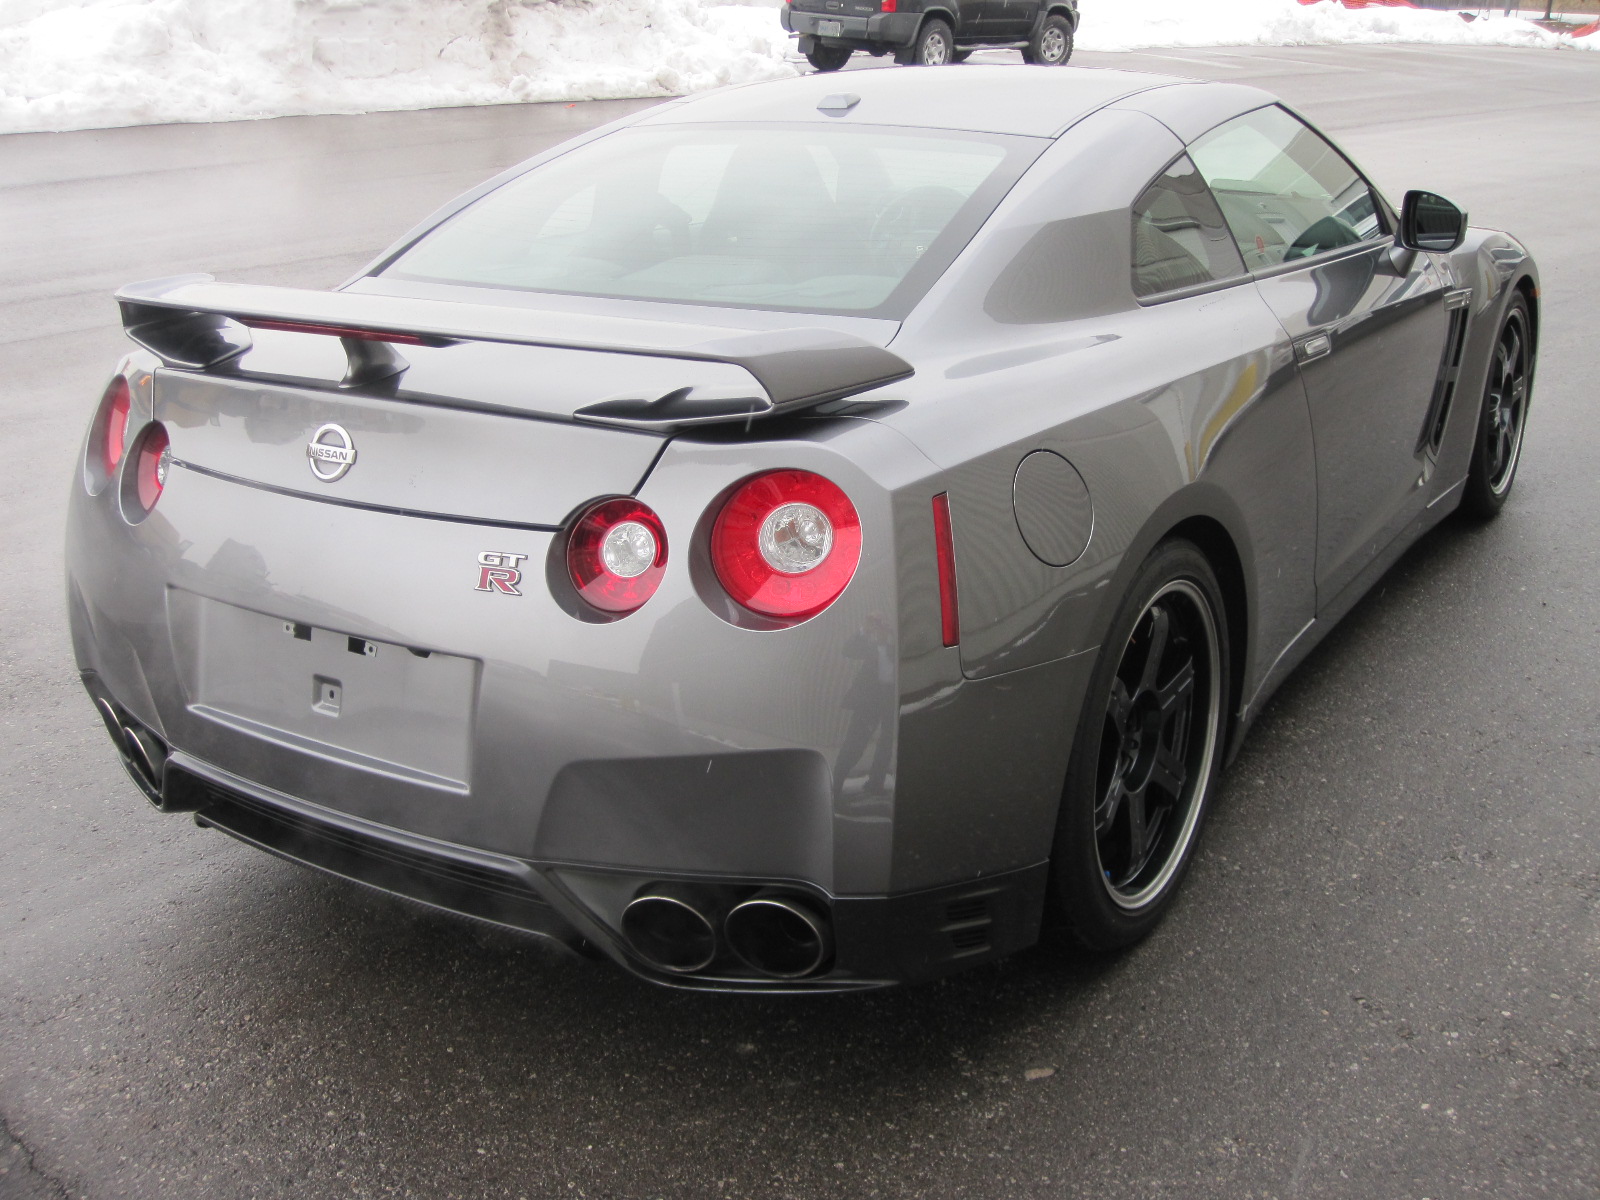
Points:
x=1051, y=44
x=1147, y=754
x=1503, y=416
x=932, y=47
x=828, y=58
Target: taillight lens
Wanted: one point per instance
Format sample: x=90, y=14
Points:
x=617, y=554
x=150, y=468
x=889, y=6
x=786, y=544
x=114, y=432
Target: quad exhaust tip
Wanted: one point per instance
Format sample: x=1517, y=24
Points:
x=673, y=927
x=145, y=753
x=778, y=936
x=669, y=929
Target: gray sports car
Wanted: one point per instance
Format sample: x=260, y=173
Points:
x=807, y=536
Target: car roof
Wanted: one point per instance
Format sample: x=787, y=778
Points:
x=1033, y=101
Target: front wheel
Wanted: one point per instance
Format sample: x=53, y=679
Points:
x=828, y=58
x=1497, y=449
x=933, y=46
x=1051, y=46
x=1147, y=754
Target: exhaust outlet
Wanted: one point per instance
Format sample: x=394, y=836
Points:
x=668, y=928
x=778, y=935
x=148, y=755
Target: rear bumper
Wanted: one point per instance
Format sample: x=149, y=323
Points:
x=878, y=941
x=883, y=29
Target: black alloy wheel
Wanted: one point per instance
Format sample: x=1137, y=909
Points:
x=934, y=45
x=827, y=58
x=1051, y=46
x=1498, y=447
x=1148, y=751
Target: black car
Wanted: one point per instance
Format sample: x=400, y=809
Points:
x=930, y=33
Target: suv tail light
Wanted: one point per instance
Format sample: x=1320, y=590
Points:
x=114, y=423
x=616, y=555
x=786, y=544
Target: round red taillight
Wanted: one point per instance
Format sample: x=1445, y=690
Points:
x=617, y=554
x=114, y=428
x=150, y=467
x=786, y=544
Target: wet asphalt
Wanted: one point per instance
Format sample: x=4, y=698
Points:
x=1380, y=981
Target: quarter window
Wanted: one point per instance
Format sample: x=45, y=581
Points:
x=1179, y=237
x=1286, y=193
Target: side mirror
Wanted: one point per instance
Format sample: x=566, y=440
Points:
x=1430, y=222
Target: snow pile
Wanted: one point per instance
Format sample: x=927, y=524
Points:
x=75, y=64
x=1170, y=24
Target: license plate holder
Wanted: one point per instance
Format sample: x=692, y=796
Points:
x=830, y=29
x=401, y=711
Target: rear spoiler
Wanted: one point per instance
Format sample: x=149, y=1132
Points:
x=196, y=323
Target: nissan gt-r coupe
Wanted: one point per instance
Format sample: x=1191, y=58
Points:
x=807, y=536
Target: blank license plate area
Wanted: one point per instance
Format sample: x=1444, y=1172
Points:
x=829, y=29
x=369, y=703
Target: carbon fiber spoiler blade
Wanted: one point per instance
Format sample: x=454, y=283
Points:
x=194, y=322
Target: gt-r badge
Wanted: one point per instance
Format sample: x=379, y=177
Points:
x=498, y=572
x=331, y=452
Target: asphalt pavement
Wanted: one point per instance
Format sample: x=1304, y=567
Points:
x=1380, y=981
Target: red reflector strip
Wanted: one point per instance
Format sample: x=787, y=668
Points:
x=363, y=335
x=945, y=546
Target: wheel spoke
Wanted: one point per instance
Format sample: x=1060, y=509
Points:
x=1138, y=831
x=1120, y=705
x=1168, y=773
x=1160, y=628
x=1110, y=804
x=1176, y=691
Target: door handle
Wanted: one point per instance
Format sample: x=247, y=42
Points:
x=1312, y=348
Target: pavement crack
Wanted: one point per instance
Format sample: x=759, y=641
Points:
x=16, y=1153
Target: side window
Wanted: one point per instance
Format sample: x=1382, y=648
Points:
x=1286, y=192
x=1179, y=237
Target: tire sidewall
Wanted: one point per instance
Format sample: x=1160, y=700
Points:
x=1478, y=498
x=934, y=28
x=1034, y=51
x=1087, y=915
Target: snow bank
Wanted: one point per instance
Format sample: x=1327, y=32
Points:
x=75, y=64
x=1169, y=24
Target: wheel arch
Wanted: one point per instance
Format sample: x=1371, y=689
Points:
x=1206, y=515
x=1530, y=292
x=1217, y=544
x=1062, y=10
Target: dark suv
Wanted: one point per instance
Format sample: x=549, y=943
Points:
x=930, y=32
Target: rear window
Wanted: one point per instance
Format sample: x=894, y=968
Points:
x=854, y=221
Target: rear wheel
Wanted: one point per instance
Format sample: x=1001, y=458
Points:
x=1148, y=751
x=1498, y=447
x=828, y=58
x=1051, y=46
x=933, y=46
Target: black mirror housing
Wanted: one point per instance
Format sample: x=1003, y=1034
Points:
x=1430, y=222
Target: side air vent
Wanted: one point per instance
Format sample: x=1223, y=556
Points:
x=1444, y=390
